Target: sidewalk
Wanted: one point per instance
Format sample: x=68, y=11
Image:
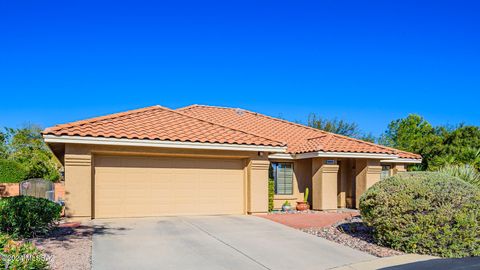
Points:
x=414, y=261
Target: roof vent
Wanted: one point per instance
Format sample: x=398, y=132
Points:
x=239, y=111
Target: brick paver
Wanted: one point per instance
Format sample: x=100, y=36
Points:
x=308, y=220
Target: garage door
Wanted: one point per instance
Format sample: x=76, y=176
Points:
x=153, y=186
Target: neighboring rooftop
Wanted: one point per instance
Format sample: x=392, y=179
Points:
x=299, y=138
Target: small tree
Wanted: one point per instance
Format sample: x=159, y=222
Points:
x=26, y=146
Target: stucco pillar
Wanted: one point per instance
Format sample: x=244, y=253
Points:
x=368, y=173
x=342, y=184
x=399, y=168
x=78, y=182
x=257, y=186
x=324, y=185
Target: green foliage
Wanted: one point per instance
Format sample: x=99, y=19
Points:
x=340, y=127
x=438, y=146
x=271, y=193
x=286, y=203
x=3, y=146
x=333, y=125
x=11, y=171
x=305, y=195
x=336, y=126
x=25, y=216
x=424, y=212
x=465, y=172
x=20, y=256
x=26, y=146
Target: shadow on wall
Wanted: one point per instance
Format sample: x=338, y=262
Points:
x=469, y=263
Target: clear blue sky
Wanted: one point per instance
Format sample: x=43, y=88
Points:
x=363, y=61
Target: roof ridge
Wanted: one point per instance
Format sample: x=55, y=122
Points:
x=129, y=112
x=99, y=118
x=239, y=130
x=303, y=126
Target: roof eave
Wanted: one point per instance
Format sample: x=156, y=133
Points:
x=162, y=144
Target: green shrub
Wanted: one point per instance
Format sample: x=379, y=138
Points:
x=11, y=171
x=25, y=216
x=271, y=193
x=467, y=173
x=426, y=213
x=18, y=255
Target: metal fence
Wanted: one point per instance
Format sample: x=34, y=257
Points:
x=39, y=188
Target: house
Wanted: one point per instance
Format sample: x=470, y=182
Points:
x=207, y=160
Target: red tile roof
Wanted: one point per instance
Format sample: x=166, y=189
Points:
x=159, y=123
x=210, y=124
x=299, y=138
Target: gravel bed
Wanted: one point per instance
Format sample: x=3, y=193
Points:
x=68, y=247
x=355, y=234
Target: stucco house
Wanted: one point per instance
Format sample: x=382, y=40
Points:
x=207, y=160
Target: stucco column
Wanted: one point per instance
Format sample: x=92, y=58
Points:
x=399, y=168
x=257, y=195
x=368, y=173
x=342, y=184
x=78, y=182
x=324, y=185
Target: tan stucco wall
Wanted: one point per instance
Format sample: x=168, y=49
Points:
x=367, y=174
x=324, y=185
x=257, y=195
x=302, y=178
x=342, y=184
x=79, y=166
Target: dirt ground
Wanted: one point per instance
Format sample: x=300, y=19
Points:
x=68, y=246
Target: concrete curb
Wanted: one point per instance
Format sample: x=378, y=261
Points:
x=386, y=263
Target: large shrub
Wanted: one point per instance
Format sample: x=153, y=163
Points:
x=18, y=255
x=25, y=216
x=427, y=213
x=11, y=171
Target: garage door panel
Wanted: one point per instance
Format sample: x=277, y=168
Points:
x=147, y=186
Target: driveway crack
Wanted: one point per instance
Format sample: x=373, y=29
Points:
x=226, y=244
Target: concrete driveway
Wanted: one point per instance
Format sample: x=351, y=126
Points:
x=213, y=242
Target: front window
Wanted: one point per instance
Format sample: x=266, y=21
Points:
x=385, y=172
x=282, y=174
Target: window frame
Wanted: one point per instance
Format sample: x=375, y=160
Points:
x=382, y=176
x=274, y=166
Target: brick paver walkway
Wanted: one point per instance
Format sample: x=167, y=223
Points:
x=309, y=220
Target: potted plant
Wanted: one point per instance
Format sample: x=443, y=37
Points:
x=303, y=205
x=286, y=206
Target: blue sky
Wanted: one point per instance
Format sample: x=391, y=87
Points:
x=363, y=61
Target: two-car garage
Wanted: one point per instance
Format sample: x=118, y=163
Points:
x=142, y=186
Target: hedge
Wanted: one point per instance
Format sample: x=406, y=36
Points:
x=12, y=171
x=426, y=213
x=271, y=193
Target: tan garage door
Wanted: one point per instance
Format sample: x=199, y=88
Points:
x=154, y=186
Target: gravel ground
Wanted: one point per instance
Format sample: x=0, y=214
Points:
x=68, y=247
x=355, y=234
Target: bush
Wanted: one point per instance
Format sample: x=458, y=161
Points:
x=25, y=216
x=18, y=255
x=426, y=213
x=11, y=171
x=467, y=173
x=271, y=193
